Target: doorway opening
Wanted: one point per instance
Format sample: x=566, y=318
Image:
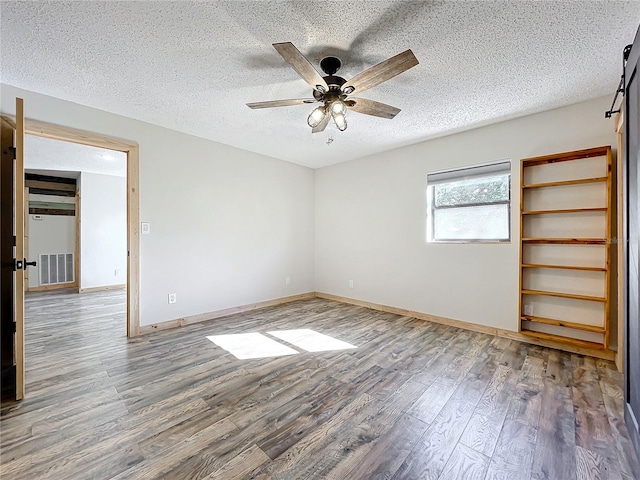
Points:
x=75, y=220
x=75, y=216
x=13, y=155
x=130, y=150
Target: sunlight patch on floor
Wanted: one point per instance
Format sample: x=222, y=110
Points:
x=251, y=345
x=310, y=340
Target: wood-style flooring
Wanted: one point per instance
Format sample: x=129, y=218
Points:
x=415, y=400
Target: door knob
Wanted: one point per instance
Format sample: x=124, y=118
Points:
x=29, y=264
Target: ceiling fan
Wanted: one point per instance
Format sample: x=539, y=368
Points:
x=333, y=91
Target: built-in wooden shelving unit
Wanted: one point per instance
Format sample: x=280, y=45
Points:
x=565, y=242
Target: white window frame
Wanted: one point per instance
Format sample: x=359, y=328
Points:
x=484, y=170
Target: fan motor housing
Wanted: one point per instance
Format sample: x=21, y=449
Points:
x=334, y=81
x=330, y=65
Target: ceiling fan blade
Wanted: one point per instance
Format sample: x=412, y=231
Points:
x=382, y=72
x=301, y=65
x=322, y=125
x=371, y=107
x=281, y=103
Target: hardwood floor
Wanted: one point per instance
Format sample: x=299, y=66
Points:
x=414, y=400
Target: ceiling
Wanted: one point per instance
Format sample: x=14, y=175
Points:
x=44, y=155
x=192, y=66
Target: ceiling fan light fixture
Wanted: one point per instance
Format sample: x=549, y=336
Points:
x=340, y=120
x=333, y=90
x=338, y=107
x=316, y=116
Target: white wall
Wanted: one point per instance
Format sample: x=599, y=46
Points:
x=371, y=219
x=52, y=234
x=103, y=230
x=227, y=226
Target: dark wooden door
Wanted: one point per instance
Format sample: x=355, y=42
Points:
x=7, y=276
x=632, y=167
x=12, y=251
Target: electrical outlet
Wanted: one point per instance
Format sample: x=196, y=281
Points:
x=287, y=280
x=528, y=309
x=172, y=298
x=116, y=272
x=350, y=283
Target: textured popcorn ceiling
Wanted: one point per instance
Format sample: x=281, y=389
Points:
x=192, y=66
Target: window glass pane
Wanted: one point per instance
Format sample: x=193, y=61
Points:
x=485, y=222
x=476, y=190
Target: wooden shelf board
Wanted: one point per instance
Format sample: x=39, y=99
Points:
x=564, y=210
x=567, y=241
x=566, y=156
x=562, y=323
x=560, y=338
x=563, y=295
x=564, y=267
x=563, y=183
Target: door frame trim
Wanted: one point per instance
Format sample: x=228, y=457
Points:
x=631, y=72
x=132, y=150
x=620, y=247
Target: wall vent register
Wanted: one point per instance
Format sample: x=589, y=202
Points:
x=56, y=268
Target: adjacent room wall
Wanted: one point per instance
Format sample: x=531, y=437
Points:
x=371, y=219
x=227, y=225
x=52, y=234
x=103, y=230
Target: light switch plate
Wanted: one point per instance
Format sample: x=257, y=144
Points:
x=145, y=228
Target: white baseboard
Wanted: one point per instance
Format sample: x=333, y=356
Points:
x=475, y=327
x=102, y=289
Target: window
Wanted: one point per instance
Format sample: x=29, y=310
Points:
x=470, y=204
